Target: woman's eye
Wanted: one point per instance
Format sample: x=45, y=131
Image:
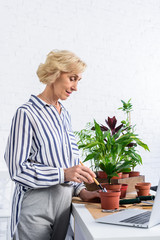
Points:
x=72, y=78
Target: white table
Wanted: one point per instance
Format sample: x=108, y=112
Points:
x=86, y=228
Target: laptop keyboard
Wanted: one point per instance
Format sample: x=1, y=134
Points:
x=139, y=218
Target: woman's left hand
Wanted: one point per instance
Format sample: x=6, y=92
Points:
x=88, y=196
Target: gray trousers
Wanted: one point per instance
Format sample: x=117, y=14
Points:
x=45, y=213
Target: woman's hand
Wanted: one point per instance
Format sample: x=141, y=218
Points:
x=79, y=174
x=89, y=196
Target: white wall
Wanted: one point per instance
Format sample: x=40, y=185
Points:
x=118, y=39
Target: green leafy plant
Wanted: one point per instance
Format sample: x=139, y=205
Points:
x=109, y=146
x=134, y=157
x=127, y=108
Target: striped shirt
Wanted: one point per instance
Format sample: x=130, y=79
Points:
x=40, y=145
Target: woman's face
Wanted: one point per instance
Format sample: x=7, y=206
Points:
x=65, y=85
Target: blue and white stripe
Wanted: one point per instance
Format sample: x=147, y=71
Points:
x=40, y=145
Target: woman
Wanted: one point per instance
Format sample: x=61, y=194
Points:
x=42, y=155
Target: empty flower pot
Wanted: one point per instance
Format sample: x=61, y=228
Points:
x=123, y=190
x=143, y=188
x=134, y=174
x=110, y=200
x=125, y=175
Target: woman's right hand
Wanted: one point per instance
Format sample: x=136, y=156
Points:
x=79, y=174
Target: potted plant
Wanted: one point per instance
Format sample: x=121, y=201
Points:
x=110, y=147
x=133, y=153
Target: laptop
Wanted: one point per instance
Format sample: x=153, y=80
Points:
x=136, y=217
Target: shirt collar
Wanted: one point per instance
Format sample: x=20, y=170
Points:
x=39, y=102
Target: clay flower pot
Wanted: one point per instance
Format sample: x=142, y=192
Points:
x=143, y=188
x=134, y=174
x=123, y=190
x=119, y=176
x=112, y=187
x=110, y=200
x=101, y=174
x=125, y=174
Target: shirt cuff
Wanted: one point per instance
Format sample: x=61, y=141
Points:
x=61, y=175
x=78, y=189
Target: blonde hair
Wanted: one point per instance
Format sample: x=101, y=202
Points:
x=58, y=62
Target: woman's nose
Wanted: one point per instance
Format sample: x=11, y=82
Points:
x=74, y=87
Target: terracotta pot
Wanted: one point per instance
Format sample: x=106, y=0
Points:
x=125, y=175
x=110, y=200
x=123, y=190
x=112, y=187
x=134, y=174
x=143, y=189
x=101, y=174
x=119, y=176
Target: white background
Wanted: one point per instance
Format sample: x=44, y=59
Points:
x=118, y=39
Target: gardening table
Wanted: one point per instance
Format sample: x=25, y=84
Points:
x=85, y=227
